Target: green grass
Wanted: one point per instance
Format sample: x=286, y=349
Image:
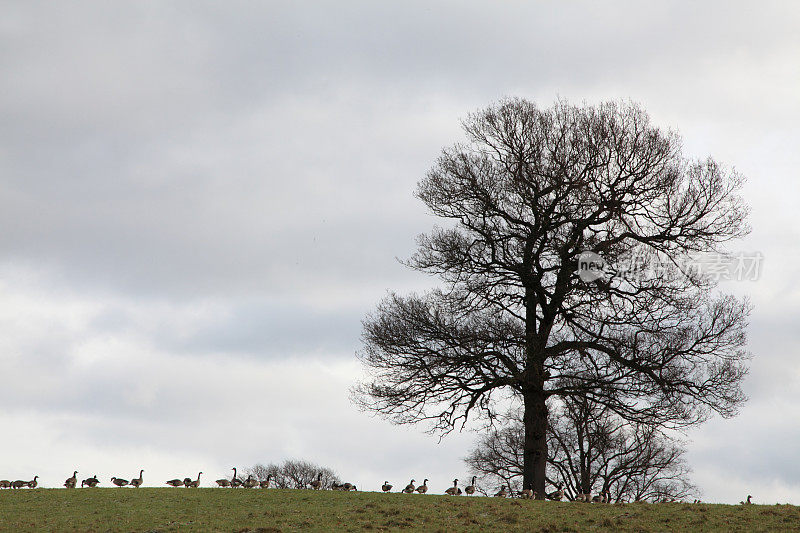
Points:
x=155, y=509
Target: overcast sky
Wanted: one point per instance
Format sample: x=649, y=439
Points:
x=200, y=201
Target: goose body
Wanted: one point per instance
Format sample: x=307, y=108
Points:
x=175, y=482
x=250, y=482
x=748, y=502
x=137, y=482
x=454, y=490
x=348, y=487
x=422, y=489
x=18, y=484
x=265, y=484
x=235, y=481
x=470, y=489
x=410, y=487
x=528, y=494
x=386, y=487
x=90, y=482
x=502, y=493
x=196, y=483
x=71, y=482
x=557, y=495
x=317, y=483
x=224, y=482
x=119, y=482
x=5, y=484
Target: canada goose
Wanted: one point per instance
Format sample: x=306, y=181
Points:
x=337, y=486
x=527, y=494
x=348, y=486
x=557, y=495
x=410, y=488
x=470, y=489
x=386, y=487
x=748, y=502
x=235, y=481
x=250, y=482
x=596, y=499
x=137, y=481
x=5, y=484
x=175, y=482
x=453, y=491
x=352, y=487
x=584, y=497
x=317, y=483
x=502, y=493
x=90, y=482
x=422, y=489
x=71, y=482
x=265, y=483
x=18, y=484
x=119, y=482
x=196, y=483
x=224, y=482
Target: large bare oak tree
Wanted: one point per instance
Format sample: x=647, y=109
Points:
x=528, y=192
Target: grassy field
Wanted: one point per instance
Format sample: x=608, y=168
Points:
x=156, y=509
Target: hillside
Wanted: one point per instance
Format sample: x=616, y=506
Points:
x=156, y=509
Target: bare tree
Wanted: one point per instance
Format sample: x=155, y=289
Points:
x=590, y=450
x=525, y=196
x=292, y=474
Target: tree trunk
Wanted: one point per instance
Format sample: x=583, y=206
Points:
x=535, y=450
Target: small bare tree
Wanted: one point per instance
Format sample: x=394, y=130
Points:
x=590, y=450
x=293, y=474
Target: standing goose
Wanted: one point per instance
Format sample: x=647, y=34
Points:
x=386, y=487
x=409, y=488
x=71, y=482
x=175, y=482
x=422, y=489
x=502, y=493
x=317, y=483
x=250, y=482
x=235, y=481
x=557, y=495
x=137, y=482
x=90, y=482
x=196, y=483
x=119, y=482
x=32, y=483
x=265, y=484
x=223, y=482
x=452, y=491
x=18, y=484
x=748, y=502
x=5, y=484
x=470, y=489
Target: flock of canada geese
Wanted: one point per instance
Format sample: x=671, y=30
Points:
x=251, y=483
